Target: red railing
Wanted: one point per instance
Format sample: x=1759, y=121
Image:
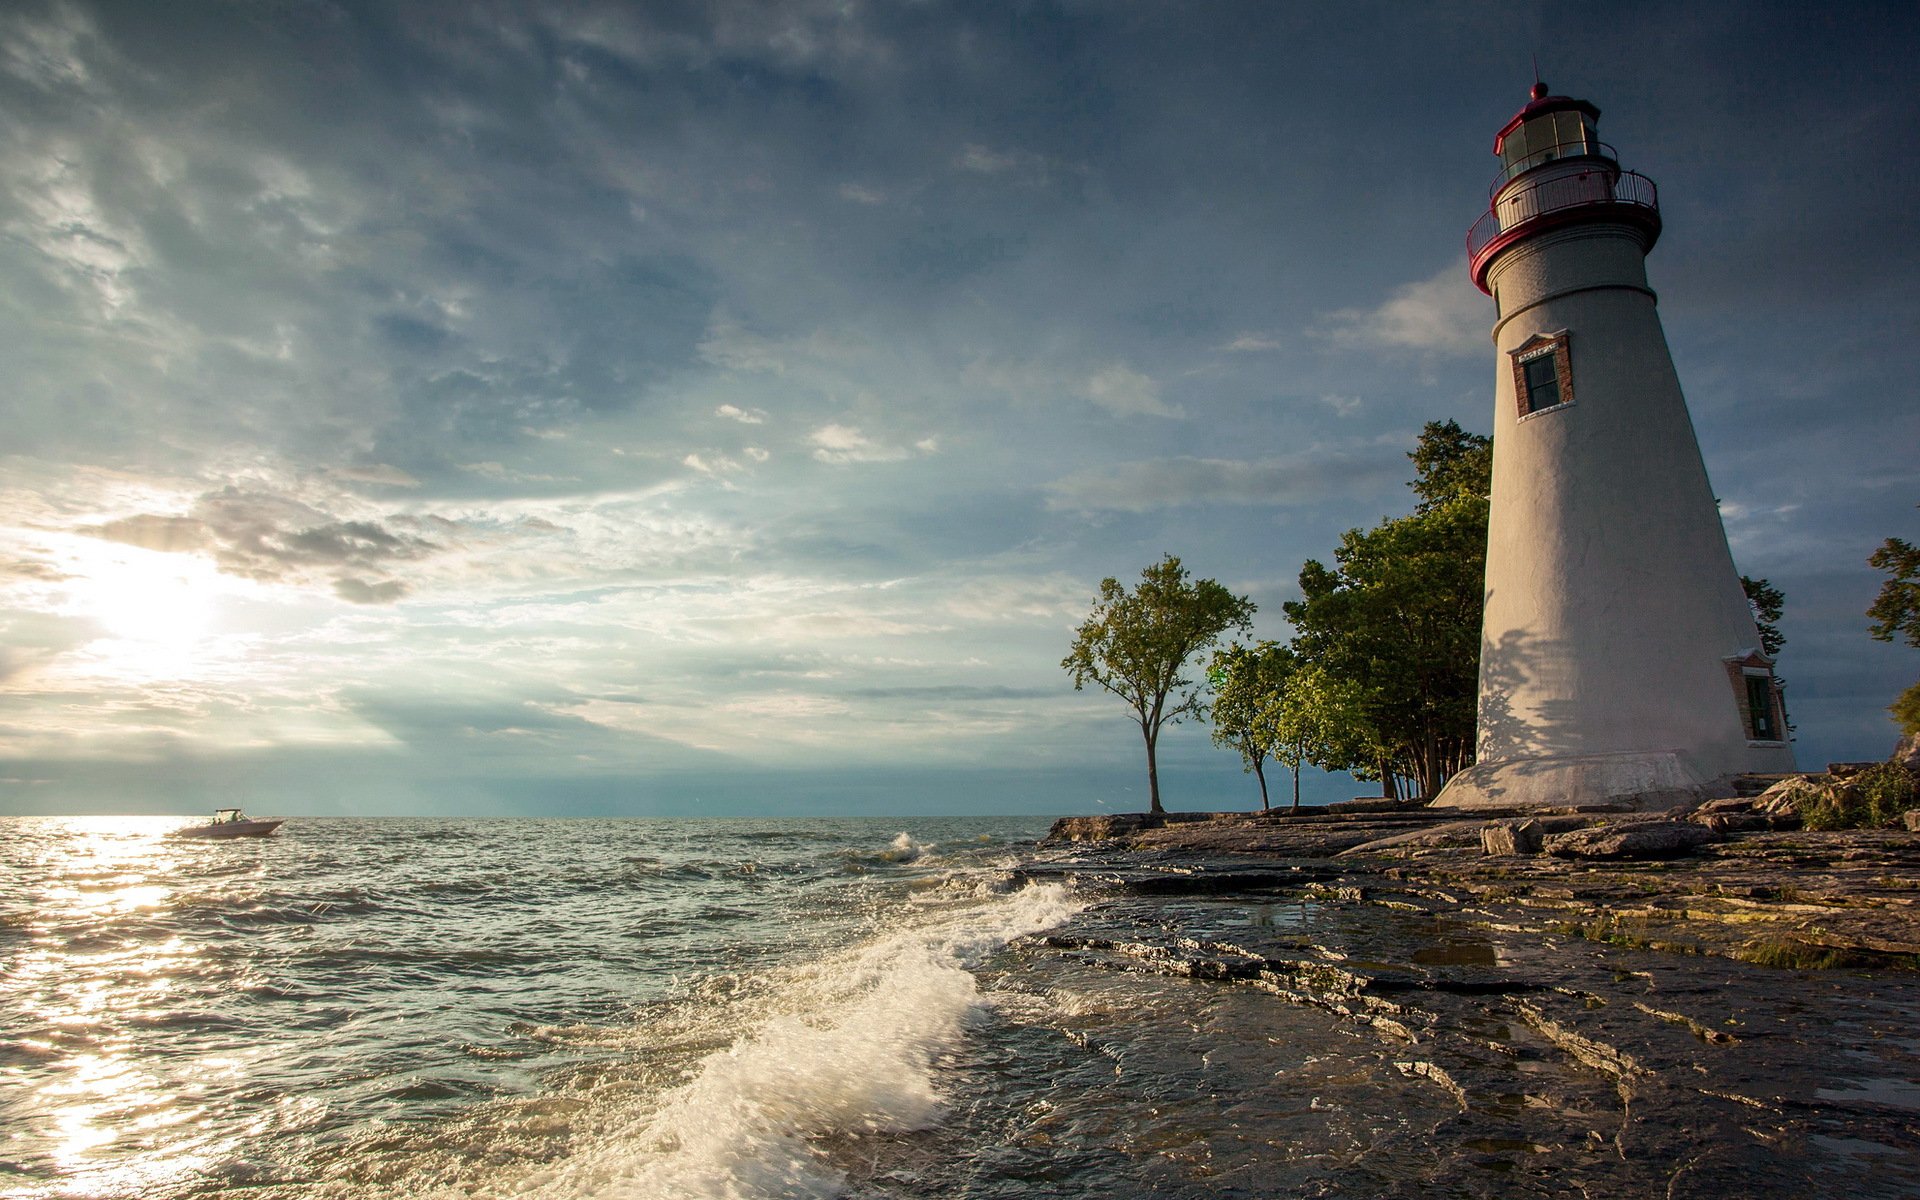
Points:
x=1519, y=207
x=1584, y=148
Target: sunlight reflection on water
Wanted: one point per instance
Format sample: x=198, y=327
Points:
x=95, y=969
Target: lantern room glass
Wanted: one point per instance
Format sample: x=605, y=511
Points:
x=1567, y=133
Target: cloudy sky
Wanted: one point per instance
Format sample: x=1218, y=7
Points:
x=724, y=407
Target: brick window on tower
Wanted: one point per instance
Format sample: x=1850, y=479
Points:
x=1757, y=692
x=1760, y=714
x=1543, y=373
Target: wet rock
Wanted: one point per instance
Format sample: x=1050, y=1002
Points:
x=1450, y=833
x=1100, y=828
x=1513, y=837
x=1638, y=840
x=1109, y=826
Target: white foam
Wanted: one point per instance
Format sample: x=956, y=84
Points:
x=905, y=849
x=854, y=1051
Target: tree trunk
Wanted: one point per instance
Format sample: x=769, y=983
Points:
x=1296, y=788
x=1261, y=775
x=1153, y=776
x=1387, y=789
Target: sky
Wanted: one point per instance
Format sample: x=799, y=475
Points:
x=683, y=409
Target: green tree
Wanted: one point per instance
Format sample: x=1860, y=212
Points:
x=1248, y=685
x=1320, y=722
x=1449, y=462
x=1896, y=612
x=1136, y=644
x=1767, y=602
x=1396, y=619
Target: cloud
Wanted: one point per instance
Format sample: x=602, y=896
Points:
x=30, y=640
x=1175, y=482
x=506, y=474
x=840, y=444
x=861, y=195
x=359, y=591
x=983, y=161
x=1251, y=343
x=1021, y=167
x=1445, y=314
x=273, y=538
x=27, y=568
x=715, y=465
x=150, y=532
x=953, y=692
x=746, y=416
x=377, y=473
x=729, y=344
x=1125, y=392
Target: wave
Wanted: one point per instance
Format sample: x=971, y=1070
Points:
x=846, y=1045
x=903, y=849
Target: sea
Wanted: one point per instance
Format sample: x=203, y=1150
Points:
x=477, y=1008
x=906, y=1009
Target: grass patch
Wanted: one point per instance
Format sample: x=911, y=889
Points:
x=1873, y=798
x=1635, y=934
x=1795, y=955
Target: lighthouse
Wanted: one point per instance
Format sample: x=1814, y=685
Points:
x=1619, y=659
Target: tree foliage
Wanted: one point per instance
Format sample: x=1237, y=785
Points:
x=1249, y=684
x=1448, y=463
x=1896, y=613
x=1321, y=722
x=1136, y=644
x=1767, y=603
x=1896, y=610
x=1396, y=620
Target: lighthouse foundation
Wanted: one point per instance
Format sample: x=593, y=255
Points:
x=1643, y=780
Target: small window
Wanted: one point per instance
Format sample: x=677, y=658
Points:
x=1543, y=382
x=1542, y=374
x=1570, y=130
x=1762, y=718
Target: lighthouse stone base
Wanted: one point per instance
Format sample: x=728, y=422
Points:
x=1645, y=780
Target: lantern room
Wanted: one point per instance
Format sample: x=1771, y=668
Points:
x=1555, y=171
x=1546, y=130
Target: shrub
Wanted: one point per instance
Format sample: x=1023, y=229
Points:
x=1886, y=790
x=1875, y=797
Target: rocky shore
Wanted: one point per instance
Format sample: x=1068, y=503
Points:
x=1737, y=877
x=1704, y=1003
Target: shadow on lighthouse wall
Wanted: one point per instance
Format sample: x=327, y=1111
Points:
x=1518, y=665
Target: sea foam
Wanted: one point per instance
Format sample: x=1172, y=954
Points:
x=852, y=1050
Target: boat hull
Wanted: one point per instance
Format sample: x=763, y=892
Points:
x=230, y=829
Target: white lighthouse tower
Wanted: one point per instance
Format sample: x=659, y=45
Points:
x=1619, y=661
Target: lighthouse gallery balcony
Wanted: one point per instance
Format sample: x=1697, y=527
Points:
x=1599, y=192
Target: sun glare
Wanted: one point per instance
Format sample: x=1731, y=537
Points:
x=155, y=608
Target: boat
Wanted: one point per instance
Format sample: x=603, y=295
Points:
x=230, y=823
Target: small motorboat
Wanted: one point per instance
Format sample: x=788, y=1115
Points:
x=229, y=823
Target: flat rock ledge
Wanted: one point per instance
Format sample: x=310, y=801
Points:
x=1736, y=877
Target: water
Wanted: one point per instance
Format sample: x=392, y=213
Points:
x=486, y=1008
x=651, y=1010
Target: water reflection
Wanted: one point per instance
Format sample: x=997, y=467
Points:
x=96, y=982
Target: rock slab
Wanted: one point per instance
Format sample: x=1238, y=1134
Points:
x=1637, y=840
x=1513, y=837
